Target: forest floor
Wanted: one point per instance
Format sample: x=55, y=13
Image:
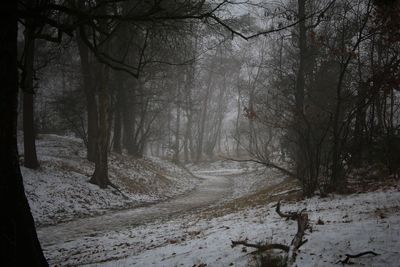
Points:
x=227, y=201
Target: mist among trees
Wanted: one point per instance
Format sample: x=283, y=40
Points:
x=307, y=88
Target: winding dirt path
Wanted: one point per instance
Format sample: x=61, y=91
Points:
x=213, y=188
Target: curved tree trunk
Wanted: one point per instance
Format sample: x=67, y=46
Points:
x=19, y=244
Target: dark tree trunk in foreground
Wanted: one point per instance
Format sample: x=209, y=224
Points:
x=30, y=157
x=19, y=244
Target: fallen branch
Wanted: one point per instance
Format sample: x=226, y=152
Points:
x=350, y=256
x=259, y=247
x=297, y=242
x=288, y=215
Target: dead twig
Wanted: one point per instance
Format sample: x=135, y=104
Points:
x=351, y=256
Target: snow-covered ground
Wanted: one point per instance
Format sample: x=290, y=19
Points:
x=228, y=201
x=351, y=224
x=59, y=190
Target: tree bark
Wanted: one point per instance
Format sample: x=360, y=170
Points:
x=299, y=95
x=30, y=156
x=237, y=122
x=127, y=121
x=204, y=109
x=188, y=139
x=100, y=175
x=178, y=122
x=90, y=94
x=359, y=124
x=129, y=117
x=117, y=125
x=18, y=240
x=300, y=81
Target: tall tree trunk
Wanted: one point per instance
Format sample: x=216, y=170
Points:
x=117, y=114
x=30, y=157
x=202, y=126
x=188, y=140
x=117, y=127
x=90, y=95
x=128, y=123
x=338, y=181
x=237, y=122
x=177, y=134
x=378, y=97
x=299, y=96
x=214, y=131
x=300, y=81
x=140, y=113
x=130, y=107
x=18, y=242
x=252, y=134
x=177, y=125
x=358, y=136
x=100, y=175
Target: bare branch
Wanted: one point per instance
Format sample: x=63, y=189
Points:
x=260, y=248
x=267, y=164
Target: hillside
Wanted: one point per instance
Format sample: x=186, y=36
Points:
x=59, y=190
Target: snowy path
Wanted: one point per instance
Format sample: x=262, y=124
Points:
x=213, y=188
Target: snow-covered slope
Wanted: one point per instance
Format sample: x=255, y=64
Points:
x=351, y=224
x=59, y=190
